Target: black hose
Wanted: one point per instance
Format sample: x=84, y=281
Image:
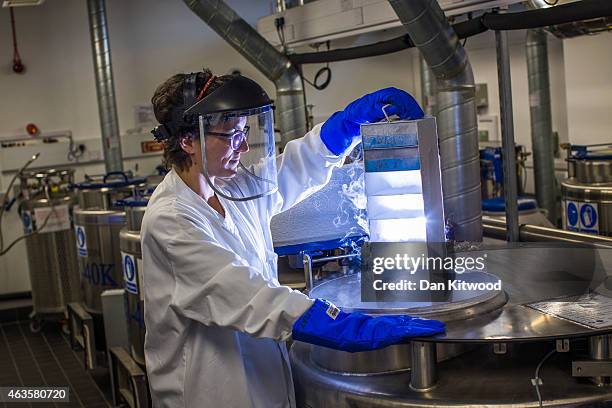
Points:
x=464, y=29
x=343, y=54
x=469, y=28
x=566, y=13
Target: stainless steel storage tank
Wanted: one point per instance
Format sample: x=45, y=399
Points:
x=131, y=256
x=493, y=341
x=46, y=212
x=587, y=192
x=98, y=222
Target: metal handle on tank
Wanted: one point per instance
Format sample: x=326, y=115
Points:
x=115, y=173
x=308, y=261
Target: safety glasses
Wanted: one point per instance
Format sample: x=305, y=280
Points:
x=236, y=138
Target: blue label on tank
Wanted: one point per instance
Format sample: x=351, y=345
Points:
x=129, y=274
x=588, y=218
x=572, y=215
x=582, y=217
x=27, y=222
x=81, y=240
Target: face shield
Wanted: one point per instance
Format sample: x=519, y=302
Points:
x=238, y=153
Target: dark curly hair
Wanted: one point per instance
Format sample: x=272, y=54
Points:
x=170, y=95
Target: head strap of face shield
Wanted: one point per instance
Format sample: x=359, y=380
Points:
x=165, y=130
x=189, y=91
x=177, y=118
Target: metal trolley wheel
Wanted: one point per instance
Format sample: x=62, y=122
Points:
x=65, y=327
x=36, y=325
x=37, y=322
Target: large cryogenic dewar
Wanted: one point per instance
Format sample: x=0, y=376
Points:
x=98, y=221
x=46, y=211
x=493, y=343
x=128, y=363
x=131, y=255
x=587, y=192
x=526, y=325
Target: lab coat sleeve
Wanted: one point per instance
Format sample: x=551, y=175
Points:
x=217, y=288
x=304, y=167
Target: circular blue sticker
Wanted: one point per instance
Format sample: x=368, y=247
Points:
x=27, y=220
x=588, y=215
x=130, y=271
x=80, y=237
x=572, y=214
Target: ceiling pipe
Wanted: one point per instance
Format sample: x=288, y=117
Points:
x=105, y=86
x=456, y=118
x=290, y=99
x=541, y=122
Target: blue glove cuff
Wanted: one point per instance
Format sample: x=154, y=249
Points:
x=316, y=326
x=322, y=311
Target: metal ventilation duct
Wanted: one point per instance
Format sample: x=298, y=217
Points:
x=541, y=122
x=457, y=126
x=290, y=99
x=105, y=86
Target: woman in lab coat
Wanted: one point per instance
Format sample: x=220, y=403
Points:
x=215, y=313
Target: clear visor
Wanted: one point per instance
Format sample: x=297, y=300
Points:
x=238, y=154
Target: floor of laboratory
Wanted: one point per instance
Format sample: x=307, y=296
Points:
x=46, y=359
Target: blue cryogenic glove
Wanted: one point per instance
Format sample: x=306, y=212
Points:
x=342, y=127
x=326, y=325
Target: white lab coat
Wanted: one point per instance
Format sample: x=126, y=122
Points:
x=215, y=313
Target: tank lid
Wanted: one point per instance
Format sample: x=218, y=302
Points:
x=132, y=202
x=110, y=180
x=498, y=204
x=591, y=152
x=43, y=173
